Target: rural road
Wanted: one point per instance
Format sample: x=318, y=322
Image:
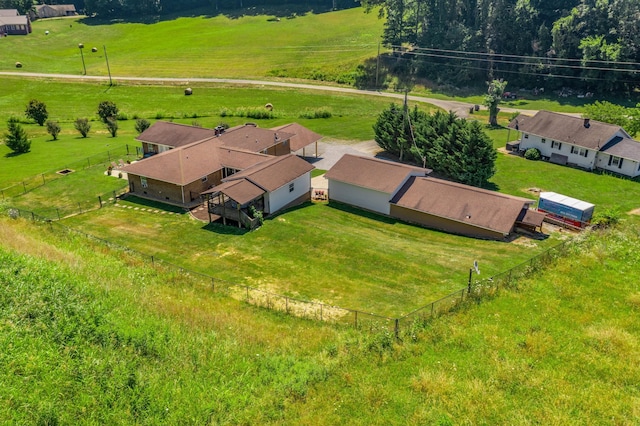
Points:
x=460, y=108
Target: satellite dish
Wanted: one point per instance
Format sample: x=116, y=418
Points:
x=475, y=266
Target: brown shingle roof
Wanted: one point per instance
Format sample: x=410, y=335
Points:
x=252, y=138
x=623, y=147
x=372, y=173
x=242, y=191
x=9, y=12
x=275, y=172
x=174, y=134
x=466, y=204
x=531, y=217
x=302, y=136
x=184, y=165
x=565, y=128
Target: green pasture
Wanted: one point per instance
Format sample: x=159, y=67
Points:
x=95, y=335
x=329, y=253
x=311, y=46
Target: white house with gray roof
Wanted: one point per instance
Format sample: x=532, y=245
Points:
x=579, y=142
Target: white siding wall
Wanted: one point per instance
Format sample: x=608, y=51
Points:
x=629, y=167
x=546, y=150
x=279, y=198
x=359, y=197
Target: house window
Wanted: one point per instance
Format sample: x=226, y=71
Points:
x=555, y=144
x=583, y=152
x=291, y=187
x=204, y=179
x=143, y=182
x=526, y=136
x=615, y=161
x=544, y=140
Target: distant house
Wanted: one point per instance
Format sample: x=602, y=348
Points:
x=269, y=186
x=585, y=143
x=12, y=23
x=54, y=10
x=409, y=194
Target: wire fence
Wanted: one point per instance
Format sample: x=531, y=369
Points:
x=105, y=158
x=318, y=311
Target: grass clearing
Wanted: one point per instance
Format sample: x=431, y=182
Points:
x=329, y=253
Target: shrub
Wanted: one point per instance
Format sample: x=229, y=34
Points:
x=122, y=116
x=532, y=154
x=107, y=110
x=142, y=125
x=83, y=126
x=37, y=111
x=112, y=126
x=16, y=138
x=160, y=115
x=53, y=128
x=317, y=113
x=605, y=219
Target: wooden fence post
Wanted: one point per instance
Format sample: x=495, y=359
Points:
x=397, y=328
x=356, y=319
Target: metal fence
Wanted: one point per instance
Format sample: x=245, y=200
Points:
x=325, y=312
x=36, y=181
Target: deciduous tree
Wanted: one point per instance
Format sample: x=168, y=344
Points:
x=53, y=128
x=37, y=111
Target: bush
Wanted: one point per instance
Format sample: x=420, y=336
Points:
x=53, y=128
x=83, y=126
x=317, y=113
x=112, y=126
x=107, y=110
x=532, y=154
x=142, y=125
x=606, y=219
x=37, y=111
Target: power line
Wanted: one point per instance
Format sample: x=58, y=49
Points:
x=499, y=61
x=520, y=56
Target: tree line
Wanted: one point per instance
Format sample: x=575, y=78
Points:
x=140, y=9
x=532, y=43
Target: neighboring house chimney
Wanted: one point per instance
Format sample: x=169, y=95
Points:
x=586, y=123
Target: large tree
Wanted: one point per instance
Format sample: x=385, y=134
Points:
x=453, y=147
x=492, y=99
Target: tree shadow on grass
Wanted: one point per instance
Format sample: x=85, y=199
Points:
x=14, y=154
x=221, y=229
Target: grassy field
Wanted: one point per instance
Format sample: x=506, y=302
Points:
x=313, y=46
x=328, y=253
x=90, y=335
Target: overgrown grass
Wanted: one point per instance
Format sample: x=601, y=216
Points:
x=91, y=335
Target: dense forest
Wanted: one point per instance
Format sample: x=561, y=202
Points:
x=593, y=45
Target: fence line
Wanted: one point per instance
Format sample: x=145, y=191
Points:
x=331, y=313
x=41, y=179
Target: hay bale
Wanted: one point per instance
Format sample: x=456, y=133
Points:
x=18, y=64
x=269, y=106
x=188, y=91
x=94, y=49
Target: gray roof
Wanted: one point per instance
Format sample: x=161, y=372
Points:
x=623, y=147
x=14, y=20
x=565, y=128
x=9, y=12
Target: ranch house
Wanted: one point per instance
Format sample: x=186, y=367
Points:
x=585, y=143
x=12, y=23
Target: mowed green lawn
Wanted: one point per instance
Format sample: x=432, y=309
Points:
x=328, y=253
x=329, y=44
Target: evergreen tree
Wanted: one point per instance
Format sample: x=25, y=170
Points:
x=16, y=138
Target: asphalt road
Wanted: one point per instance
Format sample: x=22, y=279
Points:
x=460, y=108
